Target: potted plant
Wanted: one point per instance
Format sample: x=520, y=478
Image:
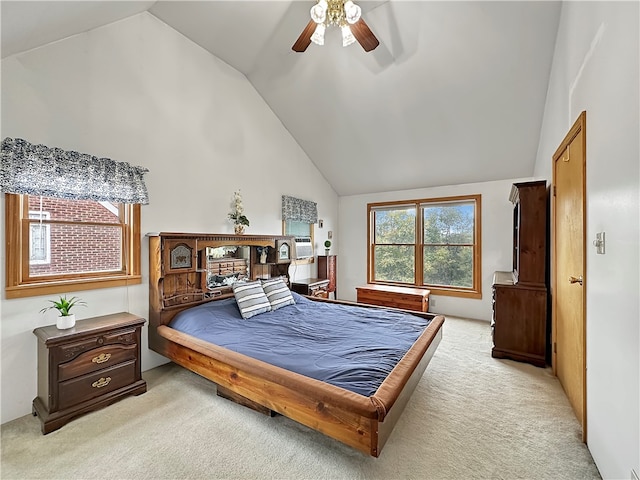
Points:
x=327, y=246
x=66, y=319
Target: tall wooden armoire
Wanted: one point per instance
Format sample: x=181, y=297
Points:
x=519, y=324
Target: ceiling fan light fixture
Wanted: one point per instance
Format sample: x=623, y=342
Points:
x=347, y=36
x=318, y=34
x=336, y=13
x=319, y=11
x=352, y=12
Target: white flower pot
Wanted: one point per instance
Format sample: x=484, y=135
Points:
x=66, y=321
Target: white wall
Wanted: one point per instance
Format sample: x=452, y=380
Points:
x=497, y=238
x=596, y=69
x=138, y=91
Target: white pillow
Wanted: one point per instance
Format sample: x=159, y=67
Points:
x=278, y=293
x=251, y=298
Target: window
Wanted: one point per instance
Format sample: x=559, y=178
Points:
x=298, y=218
x=55, y=245
x=300, y=229
x=431, y=243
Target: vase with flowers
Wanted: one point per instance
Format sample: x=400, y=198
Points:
x=237, y=214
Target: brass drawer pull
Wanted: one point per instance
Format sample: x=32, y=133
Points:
x=103, y=357
x=103, y=382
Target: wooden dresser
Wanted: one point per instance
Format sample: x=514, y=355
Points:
x=327, y=268
x=407, y=298
x=87, y=367
x=315, y=287
x=520, y=323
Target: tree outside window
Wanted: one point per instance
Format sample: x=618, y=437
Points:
x=431, y=243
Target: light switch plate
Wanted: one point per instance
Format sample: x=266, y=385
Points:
x=599, y=243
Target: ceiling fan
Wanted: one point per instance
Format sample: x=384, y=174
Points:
x=339, y=13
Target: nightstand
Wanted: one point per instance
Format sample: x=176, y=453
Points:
x=87, y=367
x=315, y=287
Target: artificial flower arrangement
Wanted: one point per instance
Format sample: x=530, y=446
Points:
x=237, y=214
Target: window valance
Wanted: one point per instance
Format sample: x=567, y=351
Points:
x=298, y=210
x=53, y=172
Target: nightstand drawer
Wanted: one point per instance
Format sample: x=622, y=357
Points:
x=319, y=291
x=89, y=386
x=97, y=359
x=315, y=287
x=71, y=350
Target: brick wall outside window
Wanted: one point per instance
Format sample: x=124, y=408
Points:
x=77, y=248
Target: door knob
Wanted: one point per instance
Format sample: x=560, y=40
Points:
x=573, y=279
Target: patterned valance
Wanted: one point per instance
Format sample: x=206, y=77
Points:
x=298, y=210
x=53, y=172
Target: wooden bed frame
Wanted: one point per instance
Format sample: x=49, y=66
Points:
x=364, y=423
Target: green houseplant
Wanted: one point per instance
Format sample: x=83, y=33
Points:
x=327, y=246
x=63, y=305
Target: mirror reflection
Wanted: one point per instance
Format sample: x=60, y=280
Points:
x=226, y=265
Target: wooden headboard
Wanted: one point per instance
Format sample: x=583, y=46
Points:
x=187, y=269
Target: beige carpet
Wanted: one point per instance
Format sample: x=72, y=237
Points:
x=471, y=416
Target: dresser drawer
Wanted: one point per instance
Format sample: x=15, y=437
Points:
x=97, y=359
x=86, y=387
x=71, y=350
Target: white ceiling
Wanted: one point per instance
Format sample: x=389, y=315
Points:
x=454, y=93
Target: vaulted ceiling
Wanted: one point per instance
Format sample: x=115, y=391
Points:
x=454, y=94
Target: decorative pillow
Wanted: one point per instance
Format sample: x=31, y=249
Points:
x=278, y=293
x=250, y=298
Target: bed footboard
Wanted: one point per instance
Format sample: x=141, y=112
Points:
x=340, y=414
x=363, y=423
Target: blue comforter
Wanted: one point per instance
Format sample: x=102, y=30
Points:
x=347, y=346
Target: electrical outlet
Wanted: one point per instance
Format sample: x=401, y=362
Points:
x=432, y=302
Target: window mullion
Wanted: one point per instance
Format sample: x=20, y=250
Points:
x=419, y=246
x=24, y=247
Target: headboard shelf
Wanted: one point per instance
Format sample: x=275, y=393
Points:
x=187, y=269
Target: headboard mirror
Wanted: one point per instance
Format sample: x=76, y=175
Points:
x=226, y=265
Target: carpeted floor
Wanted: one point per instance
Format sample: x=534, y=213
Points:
x=471, y=416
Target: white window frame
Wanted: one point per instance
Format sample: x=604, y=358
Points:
x=40, y=215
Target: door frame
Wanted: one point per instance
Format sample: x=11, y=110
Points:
x=579, y=125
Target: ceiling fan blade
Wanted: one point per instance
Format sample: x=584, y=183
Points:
x=304, y=40
x=364, y=35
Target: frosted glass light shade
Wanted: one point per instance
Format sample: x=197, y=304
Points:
x=347, y=36
x=352, y=12
x=319, y=11
x=318, y=34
